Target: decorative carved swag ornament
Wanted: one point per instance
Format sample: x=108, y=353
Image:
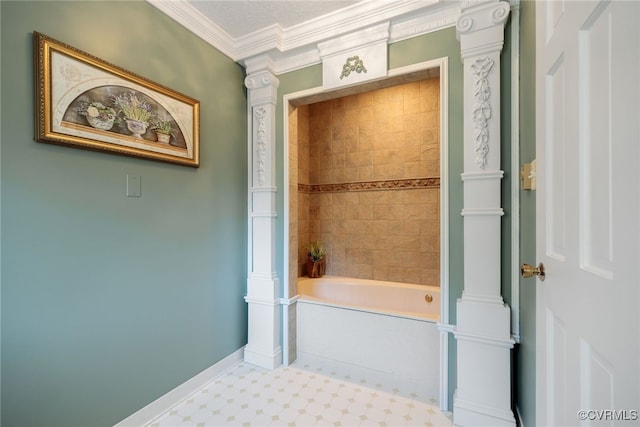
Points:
x=261, y=145
x=353, y=64
x=482, y=109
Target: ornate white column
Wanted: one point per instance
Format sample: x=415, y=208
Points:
x=483, y=395
x=263, y=347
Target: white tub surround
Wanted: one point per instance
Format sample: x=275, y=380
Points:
x=263, y=347
x=400, y=347
x=382, y=327
x=483, y=394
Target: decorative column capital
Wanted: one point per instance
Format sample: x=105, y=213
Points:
x=261, y=79
x=263, y=87
x=480, y=28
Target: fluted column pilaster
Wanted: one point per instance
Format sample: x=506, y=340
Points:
x=483, y=394
x=263, y=346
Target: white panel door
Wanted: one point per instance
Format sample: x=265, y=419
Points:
x=588, y=216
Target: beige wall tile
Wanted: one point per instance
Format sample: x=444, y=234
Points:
x=391, y=133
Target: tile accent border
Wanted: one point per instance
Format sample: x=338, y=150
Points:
x=394, y=184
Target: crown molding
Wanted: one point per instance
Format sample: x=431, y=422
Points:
x=280, y=63
x=349, y=19
x=190, y=18
x=369, y=35
x=437, y=16
x=425, y=22
x=296, y=47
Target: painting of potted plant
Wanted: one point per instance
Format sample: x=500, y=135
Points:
x=84, y=102
x=136, y=111
x=98, y=115
x=316, y=260
x=163, y=129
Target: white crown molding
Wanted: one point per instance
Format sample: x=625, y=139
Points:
x=190, y=18
x=369, y=35
x=259, y=63
x=271, y=38
x=350, y=19
x=295, y=60
x=406, y=27
x=301, y=45
x=468, y=3
x=296, y=47
x=424, y=22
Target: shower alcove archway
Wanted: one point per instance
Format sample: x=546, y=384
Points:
x=411, y=155
x=483, y=321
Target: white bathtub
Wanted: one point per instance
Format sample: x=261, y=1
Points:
x=392, y=298
x=383, y=326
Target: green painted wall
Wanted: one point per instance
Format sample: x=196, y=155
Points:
x=526, y=351
x=109, y=302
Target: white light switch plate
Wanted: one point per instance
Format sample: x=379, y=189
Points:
x=134, y=188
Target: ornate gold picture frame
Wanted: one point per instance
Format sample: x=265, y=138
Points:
x=85, y=102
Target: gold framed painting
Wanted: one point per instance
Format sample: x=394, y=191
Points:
x=85, y=102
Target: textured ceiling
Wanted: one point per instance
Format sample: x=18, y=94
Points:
x=241, y=17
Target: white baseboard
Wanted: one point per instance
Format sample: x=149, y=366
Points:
x=471, y=413
x=266, y=361
x=161, y=405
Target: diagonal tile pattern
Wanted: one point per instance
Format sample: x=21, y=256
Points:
x=296, y=396
x=389, y=383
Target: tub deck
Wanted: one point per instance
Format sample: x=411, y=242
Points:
x=402, y=343
x=390, y=298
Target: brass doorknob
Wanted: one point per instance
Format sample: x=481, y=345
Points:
x=527, y=271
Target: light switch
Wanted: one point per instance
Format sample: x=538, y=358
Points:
x=133, y=186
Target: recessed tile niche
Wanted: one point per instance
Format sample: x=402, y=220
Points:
x=364, y=179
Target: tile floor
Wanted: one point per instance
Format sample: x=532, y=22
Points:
x=307, y=393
